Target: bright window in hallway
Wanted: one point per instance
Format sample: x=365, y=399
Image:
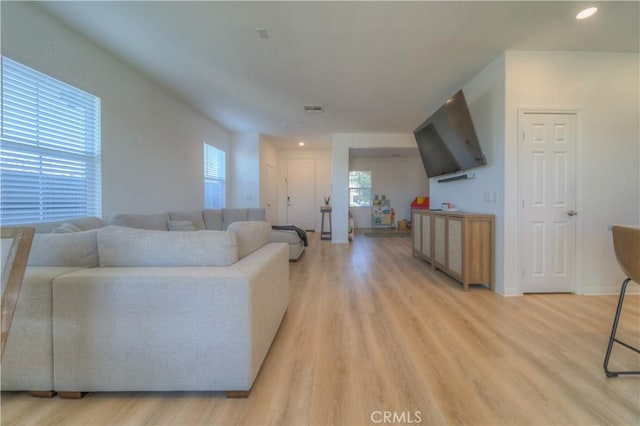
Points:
x=359, y=189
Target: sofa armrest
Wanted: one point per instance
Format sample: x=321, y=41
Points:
x=296, y=245
x=28, y=359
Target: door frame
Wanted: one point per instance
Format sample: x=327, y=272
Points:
x=578, y=189
x=271, y=188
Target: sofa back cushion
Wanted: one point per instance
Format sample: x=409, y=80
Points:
x=233, y=215
x=120, y=246
x=194, y=217
x=212, y=219
x=256, y=214
x=181, y=225
x=140, y=221
x=79, y=249
x=251, y=235
x=222, y=218
x=83, y=223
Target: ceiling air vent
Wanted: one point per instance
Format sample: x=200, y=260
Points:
x=313, y=108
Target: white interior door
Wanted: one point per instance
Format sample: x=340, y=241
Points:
x=301, y=184
x=547, y=173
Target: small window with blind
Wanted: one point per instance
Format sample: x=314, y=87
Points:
x=50, y=148
x=359, y=189
x=214, y=177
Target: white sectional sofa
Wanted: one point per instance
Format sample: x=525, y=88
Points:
x=212, y=219
x=121, y=309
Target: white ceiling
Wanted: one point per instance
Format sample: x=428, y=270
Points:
x=376, y=67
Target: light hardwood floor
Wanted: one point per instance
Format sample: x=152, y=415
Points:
x=371, y=329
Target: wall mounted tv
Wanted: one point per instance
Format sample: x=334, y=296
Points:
x=447, y=140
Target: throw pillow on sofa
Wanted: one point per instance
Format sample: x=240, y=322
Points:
x=251, y=235
x=121, y=246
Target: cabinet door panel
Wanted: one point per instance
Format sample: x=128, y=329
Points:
x=439, y=239
x=416, y=222
x=479, y=251
x=426, y=235
x=454, y=246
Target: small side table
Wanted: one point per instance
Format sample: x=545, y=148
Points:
x=325, y=235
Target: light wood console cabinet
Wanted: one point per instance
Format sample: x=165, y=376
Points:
x=459, y=244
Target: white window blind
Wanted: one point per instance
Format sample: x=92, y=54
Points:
x=214, y=177
x=49, y=150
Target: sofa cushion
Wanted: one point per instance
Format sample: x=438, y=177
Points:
x=66, y=228
x=181, y=225
x=79, y=249
x=233, y=215
x=119, y=246
x=251, y=235
x=140, y=221
x=212, y=219
x=194, y=217
x=255, y=214
x=6, y=247
x=284, y=236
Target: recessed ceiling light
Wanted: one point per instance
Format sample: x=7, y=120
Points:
x=301, y=143
x=586, y=13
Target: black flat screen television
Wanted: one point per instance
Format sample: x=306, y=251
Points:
x=447, y=140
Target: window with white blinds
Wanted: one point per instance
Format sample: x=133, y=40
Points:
x=214, y=177
x=49, y=150
x=359, y=188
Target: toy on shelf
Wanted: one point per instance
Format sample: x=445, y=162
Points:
x=420, y=203
x=381, y=213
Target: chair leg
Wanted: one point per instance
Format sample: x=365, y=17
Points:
x=612, y=338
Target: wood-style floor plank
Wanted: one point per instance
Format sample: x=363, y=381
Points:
x=372, y=329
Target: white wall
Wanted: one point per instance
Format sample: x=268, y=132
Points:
x=268, y=158
x=245, y=170
x=485, y=94
x=151, y=141
x=340, y=144
x=604, y=88
x=401, y=179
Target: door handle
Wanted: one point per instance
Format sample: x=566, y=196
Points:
x=572, y=213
